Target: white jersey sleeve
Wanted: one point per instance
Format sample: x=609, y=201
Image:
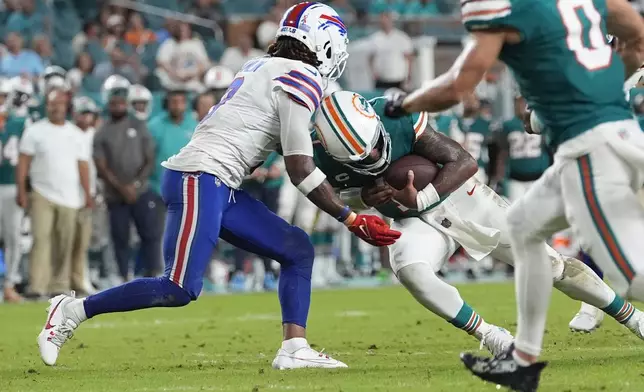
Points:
x=246, y=125
x=302, y=84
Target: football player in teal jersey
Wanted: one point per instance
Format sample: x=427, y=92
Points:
x=477, y=127
x=354, y=143
x=571, y=77
x=10, y=213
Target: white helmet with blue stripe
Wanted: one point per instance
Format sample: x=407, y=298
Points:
x=320, y=28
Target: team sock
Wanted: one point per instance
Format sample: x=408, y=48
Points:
x=620, y=310
x=138, y=294
x=469, y=321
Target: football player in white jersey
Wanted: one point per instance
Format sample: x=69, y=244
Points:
x=267, y=107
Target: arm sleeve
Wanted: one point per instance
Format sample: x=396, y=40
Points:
x=483, y=15
x=97, y=147
x=163, y=55
x=295, y=138
x=302, y=87
x=28, y=142
x=84, y=147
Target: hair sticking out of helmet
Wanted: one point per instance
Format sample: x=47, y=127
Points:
x=321, y=30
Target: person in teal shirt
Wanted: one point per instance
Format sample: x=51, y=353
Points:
x=171, y=130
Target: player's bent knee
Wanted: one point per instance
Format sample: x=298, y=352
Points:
x=298, y=250
x=175, y=295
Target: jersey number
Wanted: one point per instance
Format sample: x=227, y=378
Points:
x=524, y=145
x=235, y=85
x=598, y=54
x=474, y=144
x=9, y=152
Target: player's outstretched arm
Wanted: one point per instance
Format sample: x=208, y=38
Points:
x=460, y=80
x=297, y=149
x=625, y=23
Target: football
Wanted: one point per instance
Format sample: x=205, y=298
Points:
x=424, y=172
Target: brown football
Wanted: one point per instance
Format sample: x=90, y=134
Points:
x=424, y=172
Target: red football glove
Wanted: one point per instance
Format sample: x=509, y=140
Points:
x=373, y=230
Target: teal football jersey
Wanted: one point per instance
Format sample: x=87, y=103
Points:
x=9, y=149
x=564, y=66
x=527, y=155
x=477, y=132
x=403, y=133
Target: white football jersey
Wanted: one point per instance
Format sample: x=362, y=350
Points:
x=241, y=131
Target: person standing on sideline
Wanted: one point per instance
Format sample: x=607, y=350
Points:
x=171, y=130
x=202, y=104
x=124, y=157
x=85, y=116
x=11, y=214
x=392, y=53
x=54, y=156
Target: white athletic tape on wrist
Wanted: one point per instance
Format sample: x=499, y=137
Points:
x=427, y=197
x=311, y=181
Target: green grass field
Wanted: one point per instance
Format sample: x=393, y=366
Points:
x=227, y=343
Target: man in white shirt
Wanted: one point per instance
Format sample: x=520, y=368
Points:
x=235, y=57
x=182, y=60
x=391, y=56
x=55, y=157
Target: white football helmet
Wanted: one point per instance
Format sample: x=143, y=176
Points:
x=320, y=28
x=22, y=90
x=218, y=78
x=53, y=77
x=84, y=104
x=349, y=129
x=139, y=99
x=114, y=84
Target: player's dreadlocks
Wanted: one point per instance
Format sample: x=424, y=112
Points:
x=290, y=48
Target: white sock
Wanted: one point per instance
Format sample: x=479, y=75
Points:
x=76, y=309
x=520, y=361
x=533, y=285
x=430, y=291
x=294, y=344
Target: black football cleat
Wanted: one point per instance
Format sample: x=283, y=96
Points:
x=503, y=370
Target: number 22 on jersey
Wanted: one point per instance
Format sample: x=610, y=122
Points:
x=598, y=54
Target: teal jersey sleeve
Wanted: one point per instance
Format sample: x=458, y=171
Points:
x=492, y=14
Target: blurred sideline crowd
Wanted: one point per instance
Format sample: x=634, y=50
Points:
x=89, y=112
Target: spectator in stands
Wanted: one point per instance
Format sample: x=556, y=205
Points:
x=203, y=103
x=19, y=61
x=391, y=57
x=27, y=21
x=171, y=130
x=124, y=157
x=165, y=32
x=114, y=31
x=235, y=57
x=118, y=64
x=83, y=68
x=91, y=32
x=210, y=10
x=268, y=28
x=55, y=157
x=138, y=34
x=85, y=115
x=182, y=60
x=42, y=46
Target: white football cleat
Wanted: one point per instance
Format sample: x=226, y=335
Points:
x=57, y=330
x=303, y=357
x=636, y=324
x=587, y=320
x=497, y=340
